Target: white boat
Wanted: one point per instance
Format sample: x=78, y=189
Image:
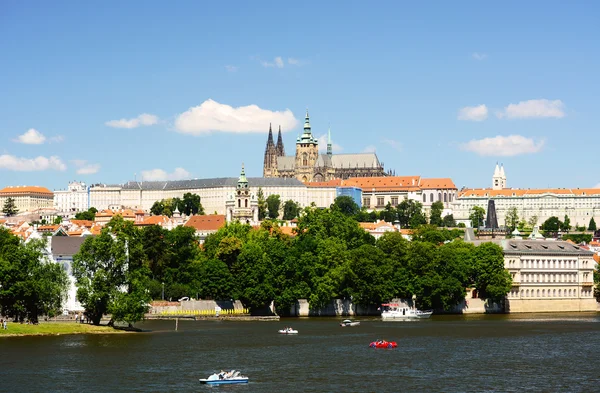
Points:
x=224, y=378
x=348, y=323
x=287, y=331
x=393, y=311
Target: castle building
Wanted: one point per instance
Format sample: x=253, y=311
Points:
x=308, y=165
x=579, y=204
x=242, y=205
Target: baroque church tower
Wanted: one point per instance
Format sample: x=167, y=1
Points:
x=307, y=152
x=499, y=178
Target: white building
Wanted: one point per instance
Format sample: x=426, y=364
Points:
x=579, y=204
x=72, y=200
x=549, y=276
x=27, y=198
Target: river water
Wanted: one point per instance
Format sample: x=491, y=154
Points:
x=487, y=353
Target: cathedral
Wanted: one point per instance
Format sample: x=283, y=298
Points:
x=308, y=165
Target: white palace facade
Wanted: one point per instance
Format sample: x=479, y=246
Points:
x=579, y=204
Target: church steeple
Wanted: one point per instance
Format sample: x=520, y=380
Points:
x=242, y=181
x=270, y=161
x=329, y=147
x=307, y=136
x=280, y=148
x=270, y=139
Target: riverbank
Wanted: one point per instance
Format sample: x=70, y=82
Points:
x=55, y=329
x=247, y=318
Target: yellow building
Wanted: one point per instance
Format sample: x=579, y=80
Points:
x=28, y=198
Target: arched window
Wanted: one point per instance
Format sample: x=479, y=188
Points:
x=538, y=293
x=430, y=197
x=559, y=293
x=439, y=196
x=239, y=203
x=246, y=202
x=305, y=159
x=554, y=293
x=450, y=198
x=527, y=293
x=424, y=198
x=445, y=197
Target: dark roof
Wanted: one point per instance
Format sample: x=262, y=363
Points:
x=210, y=183
x=554, y=247
x=66, y=245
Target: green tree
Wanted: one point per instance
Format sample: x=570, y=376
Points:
x=592, y=225
x=89, y=215
x=477, y=215
x=215, y=280
x=566, y=224
x=191, y=204
x=290, y=210
x=157, y=208
x=57, y=220
x=512, y=218
x=435, y=215
x=110, y=270
x=10, y=209
x=490, y=277
x=449, y=221
x=389, y=214
x=273, y=204
x=552, y=224
x=262, y=204
x=532, y=222
x=410, y=214
x=345, y=205
x=30, y=285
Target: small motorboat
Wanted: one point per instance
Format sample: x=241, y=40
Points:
x=224, y=378
x=287, y=330
x=383, y=344
x=348, y=323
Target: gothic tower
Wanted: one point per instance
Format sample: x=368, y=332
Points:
x=307, y=152
x=270, y=161
x=280, y=148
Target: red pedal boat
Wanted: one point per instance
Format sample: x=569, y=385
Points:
x=383, y=344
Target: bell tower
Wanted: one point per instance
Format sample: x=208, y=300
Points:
x=307, y=152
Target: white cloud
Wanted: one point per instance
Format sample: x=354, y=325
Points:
x=40, y=163
x=231, y=68
x=473, y=113
x=479, y=56
x=213, y=116
x=323, y=145
x=369, y=149
x=277, y=62
x=293, y=61
x=533, y=109
x=159, y=174
x=393, y=144
x=144, y=119
x=56, y=139
x=503, y=146
x=31, y=137
x=83, y=168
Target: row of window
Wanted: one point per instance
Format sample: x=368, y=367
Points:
x=562, y=277
x=545, y=264
x=556, y=293
x=447, y=197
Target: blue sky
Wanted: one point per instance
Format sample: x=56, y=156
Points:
x=105, y=91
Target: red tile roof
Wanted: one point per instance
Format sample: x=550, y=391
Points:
x=26, y=189
x=211, y=222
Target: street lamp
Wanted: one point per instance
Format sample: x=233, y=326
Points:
x=163, y=290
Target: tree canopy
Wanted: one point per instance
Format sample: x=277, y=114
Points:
x=30, y=284
x=273, y=204
x=10, y=208
x=477, y=216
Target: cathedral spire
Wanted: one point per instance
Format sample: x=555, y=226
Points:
x=270, y=139
x=280, y=148
x=329, y=147
x=307, y=123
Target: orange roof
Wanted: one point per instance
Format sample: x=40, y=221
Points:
x=288, y=231
x=384, y=182
x=486, y=192
x=371, y=226
x=597, y=258
x=83, y=223
x=48, y=228
x=437, y=183
x=211, y=222
x=153, y=220
x=330, y=183
x=74, y=233
x=26, y=189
